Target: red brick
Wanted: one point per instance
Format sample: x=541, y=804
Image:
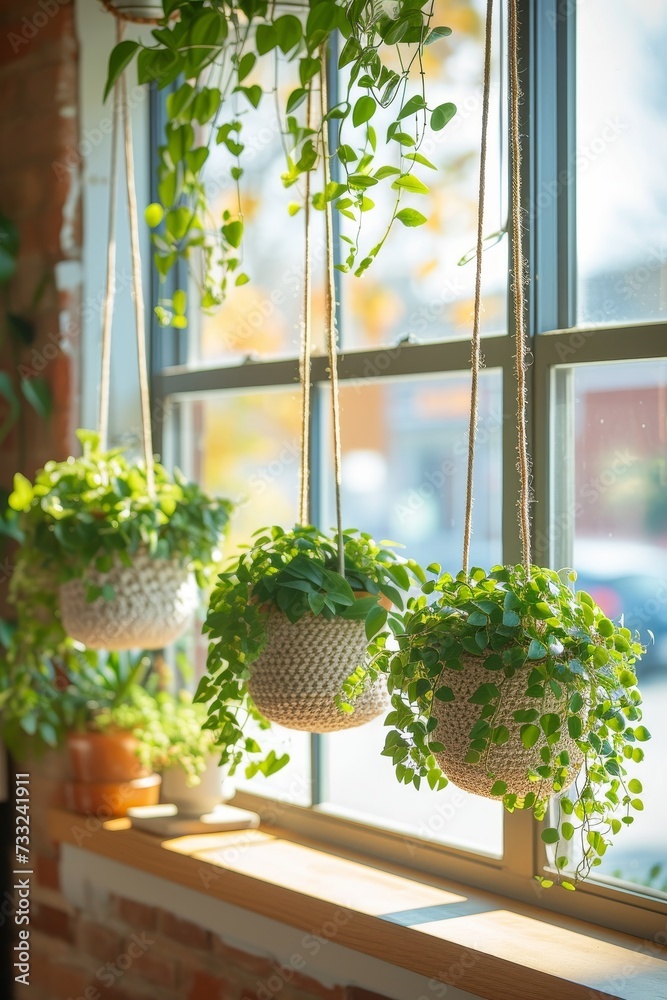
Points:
x=69, y=981
x=137, y=915
x=47, y=872
x=357, y=993
x=186, y=933
x=156, y=967
x=259, y=965
x=54, y=922
x=99, y=941
x=205, y=986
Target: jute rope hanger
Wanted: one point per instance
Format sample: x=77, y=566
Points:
x=518, y=277
x=121, y=107
x=330, y=329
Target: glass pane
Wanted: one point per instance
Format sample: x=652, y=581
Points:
x=611, y=447
x=245, y=446
x=621, y=181
x=404, y=467
x=416, y=286
x=263, y=317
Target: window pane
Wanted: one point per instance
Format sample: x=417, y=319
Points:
x=245, y=446
x=416, y=286
x=404, y=467
x=621, y=181
x=611, y=436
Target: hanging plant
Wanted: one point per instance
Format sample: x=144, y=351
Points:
x=507, y=683
x=110, y=562
x=217, y=49
x=287, y=628
x=513, y=687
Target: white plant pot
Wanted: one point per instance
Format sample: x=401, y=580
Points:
x=153, y=605
x=303, y=667
x=198, y=799
x=138, y=12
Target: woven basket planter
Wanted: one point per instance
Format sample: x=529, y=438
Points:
x=153, y=604
x=510, y=762
x=149, y=12
x=303, y=667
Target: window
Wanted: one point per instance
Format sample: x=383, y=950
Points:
x=596, y=239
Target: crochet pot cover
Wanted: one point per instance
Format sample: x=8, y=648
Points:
x=295, y=680
x=510, y=762
x=153, y=603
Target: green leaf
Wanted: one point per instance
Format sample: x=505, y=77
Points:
x=550, y=723
x=266, y=38
x=499, y=788
x=246, y=66
x=408, y=182
x=436, y=34
x=442, y=115
x=364, y=110
x=23, y=493
x=484, y=694
x=121, y=56
x=444, y=693
x=574, y=726
x=411, y=107
x=567, y=830
x=288, y=32
x=38, y=393
x=375, y=621
x=550, y=835
x=296, y=98
x=154, y=214
x=529, y=735
x=642, y=734
x=233, y=232
x=536, y=650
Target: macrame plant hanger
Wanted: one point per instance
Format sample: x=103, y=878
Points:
x=517, y=272
x=331, y=336
x=164, y=591
x=121, y=109
x=304, y=665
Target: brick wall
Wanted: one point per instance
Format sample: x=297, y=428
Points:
x=130, y=951
x=39, y=185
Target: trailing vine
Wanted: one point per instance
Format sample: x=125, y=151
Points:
x=216, y=48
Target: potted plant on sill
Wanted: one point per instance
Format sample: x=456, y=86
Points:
x=287, y=630
x=515, y=688
x=104, y=562
x=175, y=743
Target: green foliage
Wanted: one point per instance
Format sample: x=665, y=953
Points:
x=173, y=735
x=296, y=572
x=215, y=49
x=567, y=651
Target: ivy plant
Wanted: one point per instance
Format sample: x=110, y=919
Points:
x=297, y=573
x=211, y=53
x=173, y=736
x=577, y=668
x=94, y=510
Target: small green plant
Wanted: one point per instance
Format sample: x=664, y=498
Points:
x=42, y=699
x=174, y=736
x=575, y=674
x=218, y=48
x=90, y=511
x=297, y=573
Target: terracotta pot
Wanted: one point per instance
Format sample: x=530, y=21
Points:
x=103, y=757
x=108, y=799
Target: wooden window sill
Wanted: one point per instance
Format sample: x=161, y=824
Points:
x=501, y=949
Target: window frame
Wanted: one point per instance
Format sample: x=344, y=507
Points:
x=547, y=53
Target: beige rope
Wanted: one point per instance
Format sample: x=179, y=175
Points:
x=518, y=277
x=138, y=295
x=110, y=291
x=330, y=313
x=305, y=361
x=476, y=357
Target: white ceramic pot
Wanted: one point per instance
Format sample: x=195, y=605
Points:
x=198, y=799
